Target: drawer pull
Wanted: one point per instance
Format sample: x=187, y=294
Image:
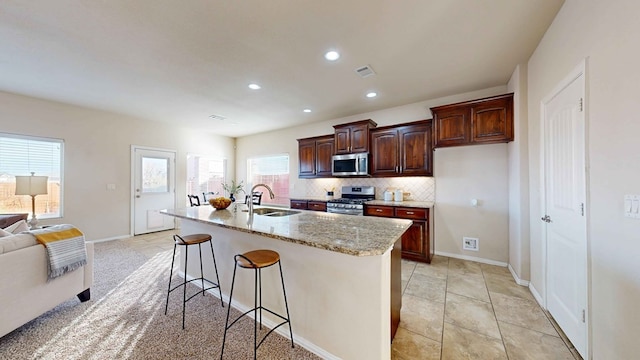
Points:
x=378, y=210
x=410, y=213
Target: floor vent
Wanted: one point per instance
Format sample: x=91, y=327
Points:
x=365, y=71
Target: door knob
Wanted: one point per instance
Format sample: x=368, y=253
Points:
x=546, y=219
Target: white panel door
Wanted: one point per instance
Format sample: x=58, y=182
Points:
x=153, y=189
x=565, y=197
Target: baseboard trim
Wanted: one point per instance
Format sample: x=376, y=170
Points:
x=516, y=278
x=110, y=238
x=472, y=258
x=537, y=296
x=268, y=323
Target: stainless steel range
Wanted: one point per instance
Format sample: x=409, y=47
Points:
x=352, y=200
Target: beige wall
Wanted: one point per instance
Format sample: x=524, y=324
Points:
x=518, y=151
x=460, y=174
x=98, y=152
x=605, y=32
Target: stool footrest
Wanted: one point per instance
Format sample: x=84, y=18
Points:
x=270, y=331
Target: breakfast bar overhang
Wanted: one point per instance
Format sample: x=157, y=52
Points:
x=342, y=274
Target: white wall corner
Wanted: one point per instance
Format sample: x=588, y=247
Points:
x=517, y=278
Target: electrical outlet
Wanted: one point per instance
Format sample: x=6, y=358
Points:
x=469, y=243
x=632, y=206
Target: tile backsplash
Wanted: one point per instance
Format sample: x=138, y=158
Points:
x=415, y=188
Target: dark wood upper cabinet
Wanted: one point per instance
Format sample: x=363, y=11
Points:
x=324, y=152
x=404, y=150
x=314, y=156
x=482, y=121
x=353, y=137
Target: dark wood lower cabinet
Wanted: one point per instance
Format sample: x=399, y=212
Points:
x=396, y=286
x=314, y=205
x=417, y=241
x=298, y=204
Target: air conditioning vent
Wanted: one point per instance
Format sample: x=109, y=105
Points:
x=365, y=71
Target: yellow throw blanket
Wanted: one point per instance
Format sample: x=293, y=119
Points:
x=65, y=248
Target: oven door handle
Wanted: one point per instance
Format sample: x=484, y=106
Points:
x=346, y=212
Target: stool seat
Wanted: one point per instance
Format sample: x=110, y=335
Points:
x=258, y=259
x=192, y=239
x=186, y=241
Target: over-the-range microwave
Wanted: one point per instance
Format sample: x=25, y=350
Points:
x=350, y=164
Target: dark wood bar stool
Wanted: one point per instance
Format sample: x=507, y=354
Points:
x=186, y=241
x=257, y=260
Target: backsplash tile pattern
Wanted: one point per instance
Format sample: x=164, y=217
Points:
x=420, y=188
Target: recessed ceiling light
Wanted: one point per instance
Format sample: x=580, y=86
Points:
x=254, y=86
x=332, y=56
x=372, y=94
x=307, y=110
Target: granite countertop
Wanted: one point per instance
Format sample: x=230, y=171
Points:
x=347, y=234
x=409, y=203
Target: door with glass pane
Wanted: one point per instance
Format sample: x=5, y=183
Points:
x=153, y=189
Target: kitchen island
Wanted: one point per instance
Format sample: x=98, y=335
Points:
x=342, y=273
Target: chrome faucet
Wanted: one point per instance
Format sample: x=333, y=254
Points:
x=250, y=200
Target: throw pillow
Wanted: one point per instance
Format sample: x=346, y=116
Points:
x=4, y=233
x=17, y=227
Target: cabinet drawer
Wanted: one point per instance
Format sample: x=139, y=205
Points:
x=298, y=204
x=373, y=210
x=411, y=213
x=317, y=205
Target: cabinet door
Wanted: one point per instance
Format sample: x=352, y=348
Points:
x=317, y=205
x=324, y=152
x=384, y=153
x=415, y=150
x=452, y=126
x=342, y=140
x=359, y=138
x=307, y=158
x=414, y=242
x=492, y=121
x=298, y=204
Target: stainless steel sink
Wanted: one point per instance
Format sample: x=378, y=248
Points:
x=273, y=212
x=282, y=213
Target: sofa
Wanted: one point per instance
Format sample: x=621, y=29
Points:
x=25, y=292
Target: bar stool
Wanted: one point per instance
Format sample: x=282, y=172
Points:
x=187, y=241
x=257, y=260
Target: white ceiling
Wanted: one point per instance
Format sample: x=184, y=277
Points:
x=181, y=61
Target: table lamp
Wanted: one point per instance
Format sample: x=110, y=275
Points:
x=34, y=186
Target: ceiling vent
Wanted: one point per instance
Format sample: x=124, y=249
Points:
x=365, y=71
x=217, y=117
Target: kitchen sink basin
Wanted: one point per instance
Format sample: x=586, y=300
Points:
x=273, y=212
x=282, y=213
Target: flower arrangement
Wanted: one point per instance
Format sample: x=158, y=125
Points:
x=233, y=188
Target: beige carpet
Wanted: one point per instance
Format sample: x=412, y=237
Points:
x=125, y=320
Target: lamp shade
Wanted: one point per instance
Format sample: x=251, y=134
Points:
x=31, y=185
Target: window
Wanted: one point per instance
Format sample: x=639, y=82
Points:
x=205, y=174
x=273, y=171
x=22, y=155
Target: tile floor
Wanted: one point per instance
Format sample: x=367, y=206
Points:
x=457, y=309
x=454, y=309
